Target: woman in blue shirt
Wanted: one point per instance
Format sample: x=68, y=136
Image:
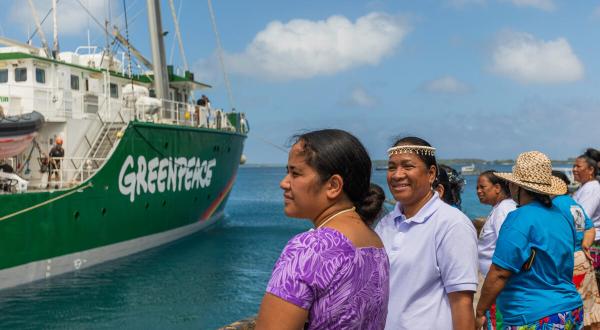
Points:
x=532, y=267
x=584, y=277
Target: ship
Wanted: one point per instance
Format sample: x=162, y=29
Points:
x=142, y=164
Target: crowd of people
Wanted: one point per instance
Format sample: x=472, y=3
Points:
x=418, y=267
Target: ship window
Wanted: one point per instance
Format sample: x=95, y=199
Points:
x=114, y=91
x=40, y=75
x=87, y=85
x=3, y=75
x=21, y=74
x=74, y=82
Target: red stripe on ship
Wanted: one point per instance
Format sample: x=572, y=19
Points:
x=215, y=204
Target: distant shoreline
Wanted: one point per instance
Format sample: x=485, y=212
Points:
x=452, y=161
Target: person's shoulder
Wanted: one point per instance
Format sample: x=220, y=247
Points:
x=450, y=214
x=507, y=204
x=563, y=200
x=531, y=215
x=513, y=217
x=449, y=217
x=387, y=220
x=318, y=241
x=594, y=186
x=589, y=187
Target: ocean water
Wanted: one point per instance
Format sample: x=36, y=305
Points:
x=204, y=281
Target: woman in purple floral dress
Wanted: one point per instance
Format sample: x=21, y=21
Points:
x=337, y=275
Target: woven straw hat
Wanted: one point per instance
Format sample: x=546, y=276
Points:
x=533, y=171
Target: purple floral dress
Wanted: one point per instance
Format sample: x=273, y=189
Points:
x=342, y=287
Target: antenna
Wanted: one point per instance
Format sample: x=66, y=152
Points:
x=220, y=52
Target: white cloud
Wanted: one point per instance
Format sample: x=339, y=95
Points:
x=547, y=5
x=359, y=97
x=301, y=49
x=446, y=84
x=521, y=57
x=72, y=18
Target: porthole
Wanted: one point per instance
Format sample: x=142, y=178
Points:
x=76, y=215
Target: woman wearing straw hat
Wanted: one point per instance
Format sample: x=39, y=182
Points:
x=532, y=267
x=432, y=246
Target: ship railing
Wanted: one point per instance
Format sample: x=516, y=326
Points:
x=62, y=173
x=192, y=115
x=98, y=133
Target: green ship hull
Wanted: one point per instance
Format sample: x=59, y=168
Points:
x=160, y=183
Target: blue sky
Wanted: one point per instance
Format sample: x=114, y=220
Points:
x=476, y=78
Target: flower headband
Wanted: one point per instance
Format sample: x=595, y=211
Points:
x=412, y=149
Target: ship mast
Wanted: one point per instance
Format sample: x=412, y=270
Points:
x=55, y=49
x=161, y=78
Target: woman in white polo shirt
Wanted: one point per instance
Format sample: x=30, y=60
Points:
x=585, y=170
x=492, y=190
x=431, y=245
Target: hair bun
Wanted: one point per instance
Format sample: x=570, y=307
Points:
x=593, y=154
x=371, y=205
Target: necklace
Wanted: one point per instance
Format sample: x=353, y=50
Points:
x=335, y=215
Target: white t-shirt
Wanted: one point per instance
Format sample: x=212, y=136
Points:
x=588, y=196
x=489, y=233
x=431, y=254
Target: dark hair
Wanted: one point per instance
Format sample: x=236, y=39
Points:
x=561, y=175
x=592, y=157
x=543, y=199
x=494, y=179
x=453, y=184
x=333, y=151
x=413, y=140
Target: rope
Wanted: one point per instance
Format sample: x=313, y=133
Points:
x=51, y=200
x=220, y=53
x=171, y=54
x=178, y=33
x=278, y=147
x=36, y=19
x=37, y=28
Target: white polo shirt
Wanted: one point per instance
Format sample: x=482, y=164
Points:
x=588, y=196
x=489, y=233
x=431, y=254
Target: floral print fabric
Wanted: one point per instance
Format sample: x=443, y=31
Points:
x=571, y=320
x=341, y=286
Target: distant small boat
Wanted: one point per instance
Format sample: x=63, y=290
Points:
x=469, y=170
x=17, y=132
x=381, y=168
